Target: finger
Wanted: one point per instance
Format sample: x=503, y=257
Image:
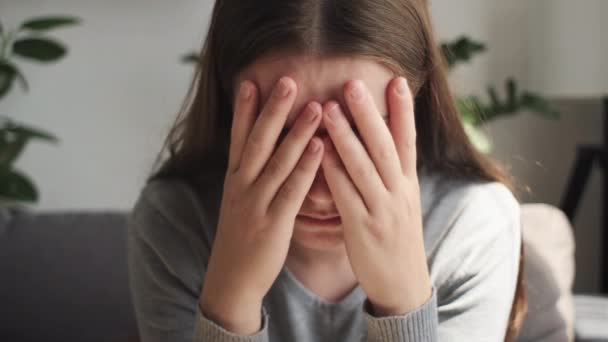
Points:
x=348, y=199
x=263, y=137
x=375, y=133
x=242, y=121
x=282, y=163
x=355, y=158
x=402, y=124
x=292, y=193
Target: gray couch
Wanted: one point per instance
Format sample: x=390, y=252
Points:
x=63, y=276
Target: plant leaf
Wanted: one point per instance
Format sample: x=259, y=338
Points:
x=16, y=186
x=478, y=138
x=8, y=73
x=7, y=76
x=14, y=138
x=190, y=58
x=512, y=102
x=495, y=101
x=448, y=55
x=30, y=132
x=21, y=78
x=48, y=23
x=11, y=147
x=539, y=105
x=461, y=50
x=471, y=110
x=1, y=28
x=40, y=49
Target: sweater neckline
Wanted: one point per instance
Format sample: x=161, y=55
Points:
x=354, y=298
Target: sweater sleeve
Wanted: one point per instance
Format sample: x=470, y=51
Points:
x=474, y=272
x=418, y=325
x=166, y=269
x=207, y=330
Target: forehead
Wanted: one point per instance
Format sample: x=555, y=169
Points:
x=318, y=79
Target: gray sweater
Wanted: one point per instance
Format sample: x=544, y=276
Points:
x=472, y=238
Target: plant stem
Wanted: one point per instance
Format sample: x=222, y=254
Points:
x=3, y=40
x=6, y=41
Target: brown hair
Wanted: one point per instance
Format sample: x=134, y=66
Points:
x=397, y=33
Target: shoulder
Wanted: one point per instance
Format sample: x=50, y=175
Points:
x=170, y=215
x=468, y=225
x=163, y=200
x=449, y=202
x=441, y=195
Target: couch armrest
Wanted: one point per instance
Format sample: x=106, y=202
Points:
x=549, y=271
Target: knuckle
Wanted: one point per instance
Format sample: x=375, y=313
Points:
x=230, y=190
x=288, y=191
x=411, y=185
x=363, y=171
x=410, y=141
x=232, y=185
x=385, y=152
x=255, y=141
x=299, y=132
x=274, y=167
x=252, y=211
x=377, y=228
x=306, y=166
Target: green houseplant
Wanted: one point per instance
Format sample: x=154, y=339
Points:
x=29, y=42
x=474, y=111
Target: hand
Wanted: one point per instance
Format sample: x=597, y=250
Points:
x=263, y=192
x=375, y=186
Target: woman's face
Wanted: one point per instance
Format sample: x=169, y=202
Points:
x=318, y=79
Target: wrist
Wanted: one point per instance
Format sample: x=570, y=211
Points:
x=402, y=305
x=239, y=316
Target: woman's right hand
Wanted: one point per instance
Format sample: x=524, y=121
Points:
x=263, y=192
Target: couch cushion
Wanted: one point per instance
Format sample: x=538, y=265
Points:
x=64, y=278
x=549, y=273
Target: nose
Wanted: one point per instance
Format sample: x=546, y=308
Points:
x=319, y=191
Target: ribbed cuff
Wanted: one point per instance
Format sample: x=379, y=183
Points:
x=208, y=331
x=415, y=326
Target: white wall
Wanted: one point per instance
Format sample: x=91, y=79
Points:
x=112, y=100
x=502, y=25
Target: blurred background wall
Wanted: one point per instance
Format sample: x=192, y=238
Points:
x=540, y=152
x=112, y=100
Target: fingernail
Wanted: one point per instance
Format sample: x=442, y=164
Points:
x=313, y=112
x=314, y=146
x=245, y=91
x=356, y=91
x=402, y=86
x=334, y=113
x=284, y=87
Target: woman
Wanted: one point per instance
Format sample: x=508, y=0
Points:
x=320, y=187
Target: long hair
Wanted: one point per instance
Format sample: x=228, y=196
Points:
x=397, y=33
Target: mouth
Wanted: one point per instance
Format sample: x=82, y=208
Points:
x=323, y=221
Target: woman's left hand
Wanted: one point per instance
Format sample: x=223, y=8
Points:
x=374, y=184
